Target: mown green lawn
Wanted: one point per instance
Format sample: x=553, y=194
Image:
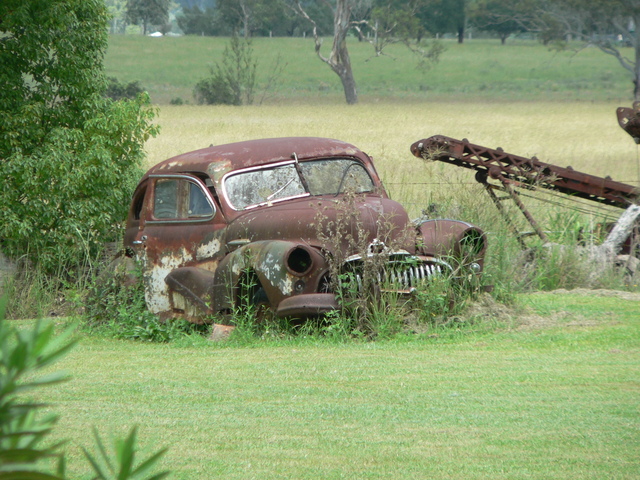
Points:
x=550, y=391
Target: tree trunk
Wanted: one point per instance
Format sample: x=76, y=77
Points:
x=348, y=83
x=245, y=12
x=245, y=23
x=339, y=60
x=461, y=34
x=621, y=231
x=636, y=67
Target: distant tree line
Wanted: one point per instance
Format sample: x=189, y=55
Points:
x=607, y=24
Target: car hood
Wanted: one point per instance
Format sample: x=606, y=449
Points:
x=328, y=222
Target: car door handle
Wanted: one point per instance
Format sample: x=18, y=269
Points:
x=141, y=241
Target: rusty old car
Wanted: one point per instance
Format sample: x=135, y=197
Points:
x=259, y=220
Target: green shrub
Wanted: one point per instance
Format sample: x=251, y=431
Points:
x=70, y=156
x=215, y=90
x=117, y=90
x=233, y=82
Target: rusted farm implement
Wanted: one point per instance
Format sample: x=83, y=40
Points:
x=506, y=176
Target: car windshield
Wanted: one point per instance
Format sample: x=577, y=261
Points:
x=276, y=183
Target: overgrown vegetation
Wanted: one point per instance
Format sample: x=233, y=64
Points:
x=117, y=90
x=70, y=156
x=115, y=307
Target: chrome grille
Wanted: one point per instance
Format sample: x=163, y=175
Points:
x=403, y=276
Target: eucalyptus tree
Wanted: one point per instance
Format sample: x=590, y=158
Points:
x=338, y=59
x=610, y=25
x=148, y=13
x=391, y=21
x=498, y=16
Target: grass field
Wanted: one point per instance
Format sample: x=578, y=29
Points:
x=548, y=391
x=169, y=68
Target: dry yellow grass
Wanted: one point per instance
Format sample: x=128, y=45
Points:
x=583, y=135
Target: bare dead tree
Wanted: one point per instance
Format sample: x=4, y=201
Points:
x=338, y=59
x=391, y=24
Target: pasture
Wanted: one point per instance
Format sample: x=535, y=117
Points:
x=169, y=67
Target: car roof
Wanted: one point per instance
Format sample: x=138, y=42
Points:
x=218, y=160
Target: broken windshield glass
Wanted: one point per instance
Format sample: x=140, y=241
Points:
x=323, y=177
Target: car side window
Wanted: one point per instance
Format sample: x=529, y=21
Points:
x=199, y=206
x=165, y=205
x=177, y=198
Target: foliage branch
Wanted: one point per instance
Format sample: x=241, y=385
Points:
x=68, y=156
x=25, y=451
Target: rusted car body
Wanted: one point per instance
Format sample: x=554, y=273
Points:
x=254, y=220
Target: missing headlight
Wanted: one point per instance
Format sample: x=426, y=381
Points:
x=299, y=261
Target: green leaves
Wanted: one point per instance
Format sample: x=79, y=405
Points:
x=24, y=452
x=69, y=158
x=233, y=82
x=23, y=353
x=124, y=465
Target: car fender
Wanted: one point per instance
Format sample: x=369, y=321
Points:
x=267, y=260
x=445, y=237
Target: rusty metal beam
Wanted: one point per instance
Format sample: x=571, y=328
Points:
x=498, y=164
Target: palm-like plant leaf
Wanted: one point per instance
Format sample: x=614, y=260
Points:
x=124, y=453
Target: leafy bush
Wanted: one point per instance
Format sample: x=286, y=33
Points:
x=117, y=90
x=233, y=82
x=70, y=157
x=215, y=90
x=23, y=448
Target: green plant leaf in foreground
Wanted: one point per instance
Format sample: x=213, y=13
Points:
x=23, y=353
x=24, y=452
x=125, y=451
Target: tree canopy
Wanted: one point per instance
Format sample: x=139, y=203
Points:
x=69, y=157
x=148, y=12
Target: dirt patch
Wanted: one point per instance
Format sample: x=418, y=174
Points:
x=523, y=318
x=633, y=296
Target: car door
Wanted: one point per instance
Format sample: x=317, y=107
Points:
x=182, y=227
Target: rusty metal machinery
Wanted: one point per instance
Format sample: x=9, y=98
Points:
x=512, y=169
x=514, y=172
x=629, y=120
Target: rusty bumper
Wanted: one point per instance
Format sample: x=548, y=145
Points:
x=309, y=305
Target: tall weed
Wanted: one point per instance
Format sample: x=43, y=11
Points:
x=115, y=306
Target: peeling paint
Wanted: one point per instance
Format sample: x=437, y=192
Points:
x=286, y=285
x=156, y=290
x=208, y=250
